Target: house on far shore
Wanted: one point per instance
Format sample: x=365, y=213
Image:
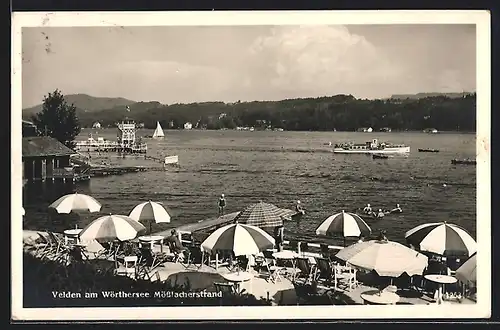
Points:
x=188, y=125
x=365, y=129
x=96, y=125
x=45, y=158
x=386, y=129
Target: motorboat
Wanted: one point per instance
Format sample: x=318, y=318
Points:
x=371, y=147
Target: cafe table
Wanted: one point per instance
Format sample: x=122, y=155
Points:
x=377, y=297
x=442, y=280
x=72, y=235
x=151, y=240
x=286, y=255
x=237, y=278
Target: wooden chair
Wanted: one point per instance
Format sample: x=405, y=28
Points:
x=128, y=268
x=304, y=247
x=228, y=288
x=305, y=268
x=150, y=259
x=61, y=248
x=325, y=270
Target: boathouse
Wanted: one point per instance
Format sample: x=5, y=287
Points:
x=46, y=158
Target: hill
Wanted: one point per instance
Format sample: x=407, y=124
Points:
x=86, y=103
x=424, y=95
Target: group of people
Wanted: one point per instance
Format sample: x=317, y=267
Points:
x=381, y=213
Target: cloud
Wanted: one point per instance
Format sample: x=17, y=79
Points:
x=317, y=59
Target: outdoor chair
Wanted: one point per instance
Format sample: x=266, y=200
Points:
x=325, y=270
x=42, y=246
x=128, y=268
x=269, y=266
x=325, y=251
x=306, y=269
x=61, y=247
x=226, y=288
x=304, y=247
x=304, y=292
x=293, y=246
x=346, y=279
x=150, y=259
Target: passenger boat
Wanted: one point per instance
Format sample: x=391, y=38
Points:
x=428, y=150
x=463, y=162
x=371, y=147
x=379, y=156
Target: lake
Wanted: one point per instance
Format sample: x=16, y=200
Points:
x=281, y=168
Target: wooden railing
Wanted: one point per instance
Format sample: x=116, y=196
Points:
x=64, y=172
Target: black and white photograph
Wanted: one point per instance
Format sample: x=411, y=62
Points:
x=196, y=162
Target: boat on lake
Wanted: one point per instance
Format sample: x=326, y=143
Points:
x=428, y=150
x=371, y=147
x=158, y=133
x=379, y=156
x=463, y=161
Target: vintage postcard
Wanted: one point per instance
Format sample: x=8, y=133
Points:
x=251, y=165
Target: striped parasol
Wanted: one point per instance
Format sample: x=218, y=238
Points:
x=150, y=211
x=344, y=223
x=261, y=215
x=442, y=238
x=76, y=202
x=110, y=228
x=384, y=257
x=467, y=272
x=241, y=239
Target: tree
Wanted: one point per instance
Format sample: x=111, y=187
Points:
x=58, y=119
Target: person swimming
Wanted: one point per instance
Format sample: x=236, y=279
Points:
x=380, y=214
x=367, y=209
x=397, y=209
x=298, y=208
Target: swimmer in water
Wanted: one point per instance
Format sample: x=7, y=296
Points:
x=367, y=209
x=298, y=208
x=380, y=214
x=397, y=209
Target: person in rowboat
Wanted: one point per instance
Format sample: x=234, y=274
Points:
x=380, y=214
x=367, y=209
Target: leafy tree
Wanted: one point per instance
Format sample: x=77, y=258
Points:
x=58, y=119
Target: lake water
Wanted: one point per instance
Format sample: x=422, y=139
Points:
x=281, y=168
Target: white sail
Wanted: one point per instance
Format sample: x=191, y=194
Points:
x=158, y=131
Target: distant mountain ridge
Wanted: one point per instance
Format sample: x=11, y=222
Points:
x=424, y=95
x=87, y=103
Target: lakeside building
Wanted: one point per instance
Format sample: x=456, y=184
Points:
x=45, y=158
x=188, y=125
x=96, y=125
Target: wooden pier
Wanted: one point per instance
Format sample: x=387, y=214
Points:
x=120, y=170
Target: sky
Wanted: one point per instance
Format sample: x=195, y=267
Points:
x=182, y=64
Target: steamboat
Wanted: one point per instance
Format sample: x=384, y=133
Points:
x=371, y=147
x=126, y=141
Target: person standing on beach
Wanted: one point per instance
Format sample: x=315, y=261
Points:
x=222, y=204
x=279, y=232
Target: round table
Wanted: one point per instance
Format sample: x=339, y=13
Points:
x=380, y=297
x=237, y=278
x=442, y=280
x=287, y=255
x=72, y=234
x=151, y=239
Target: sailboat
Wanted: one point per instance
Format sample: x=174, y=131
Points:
x=158, y=131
